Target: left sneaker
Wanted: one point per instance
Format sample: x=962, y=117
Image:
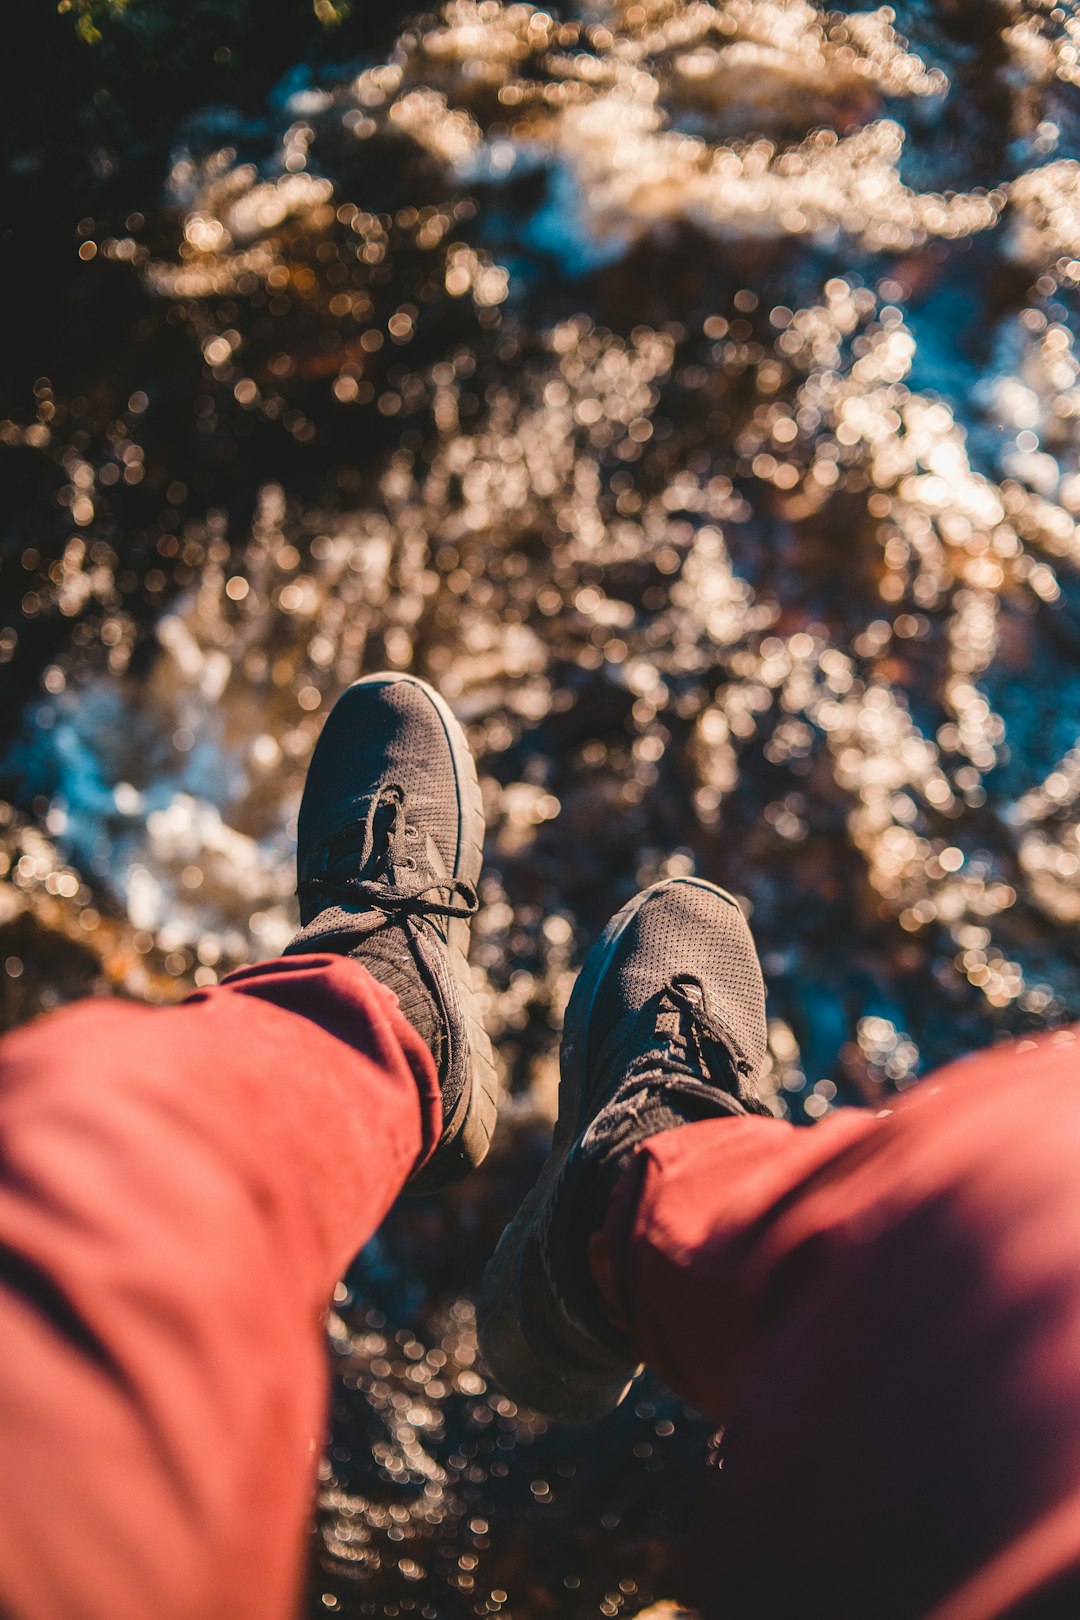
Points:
x=389, y=851
x=665, y=1027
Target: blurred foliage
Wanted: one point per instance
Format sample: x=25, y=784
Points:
x=101, y=20
x=90, y=125
x=119, y=69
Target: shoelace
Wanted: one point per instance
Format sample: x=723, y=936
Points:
x=382, y=847
x=685, y=1023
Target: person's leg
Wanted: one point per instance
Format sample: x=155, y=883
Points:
x=179, y=1190
x=884, y=1312
x=885, y=1315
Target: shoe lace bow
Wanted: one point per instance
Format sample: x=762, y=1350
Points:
x=387, y=841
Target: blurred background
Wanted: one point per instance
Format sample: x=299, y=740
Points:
x=690, y=391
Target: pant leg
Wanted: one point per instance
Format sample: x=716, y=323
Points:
x=884, y=1312
x=179, y=1190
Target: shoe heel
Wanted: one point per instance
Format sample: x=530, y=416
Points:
x=553, y=1379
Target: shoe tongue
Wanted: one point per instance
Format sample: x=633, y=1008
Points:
x=346, y=846
x=689, y=993
x=680, y=1003
x=672, y=1033
x=669, y=1023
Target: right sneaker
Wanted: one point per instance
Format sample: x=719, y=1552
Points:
x=665, y=1027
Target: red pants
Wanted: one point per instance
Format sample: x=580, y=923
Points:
x=180, y=1189
x=886, y=1312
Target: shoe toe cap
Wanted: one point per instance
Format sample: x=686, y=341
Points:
x=690, y=926
x=384, y=729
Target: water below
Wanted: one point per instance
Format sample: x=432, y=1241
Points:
x=690, y=391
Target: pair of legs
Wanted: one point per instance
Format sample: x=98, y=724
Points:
x=883, y=1311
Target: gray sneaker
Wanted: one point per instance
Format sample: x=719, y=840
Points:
x=389, y=850
x=665, y=1026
